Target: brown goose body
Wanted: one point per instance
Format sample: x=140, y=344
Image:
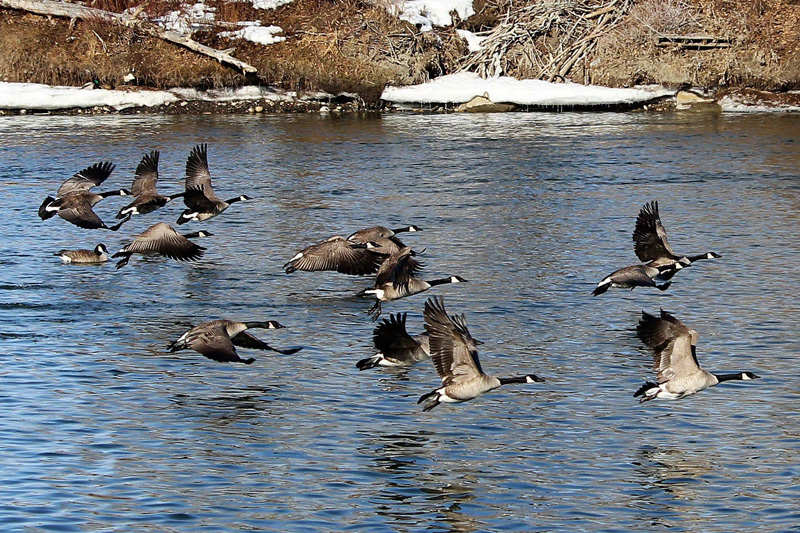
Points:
x=675, y=360
x=339, y=255
x=144, y=188
x=650, y=241
x=161, y=238
x=218, y=340
x=396, y=279
x=395, y=346
x=74, y=200
x=455, y=356
x=201, y=201
x=97, y=255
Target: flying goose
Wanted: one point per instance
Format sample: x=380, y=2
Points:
x=74, y=199
x=98, y=255
x=162, y=238
x=395, y=346
x=675, y=360
x=370, y=234
x=144, y=188
x=633, y=276
x=650, y=241
x=395, y=279
x=218, y=339
x=339, y=254
x=455, y=356
x=199, y=197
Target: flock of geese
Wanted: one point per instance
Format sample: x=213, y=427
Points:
x=378, y=251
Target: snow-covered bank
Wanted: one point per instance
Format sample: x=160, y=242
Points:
x=445, y=91
x=462, y=87
x=37, y=97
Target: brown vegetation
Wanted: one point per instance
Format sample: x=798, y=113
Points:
x=356, y=46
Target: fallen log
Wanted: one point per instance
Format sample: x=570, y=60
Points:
x=54, y=8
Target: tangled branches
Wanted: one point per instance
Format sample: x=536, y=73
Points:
x=545, y=39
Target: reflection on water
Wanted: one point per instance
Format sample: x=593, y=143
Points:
x=102, y=429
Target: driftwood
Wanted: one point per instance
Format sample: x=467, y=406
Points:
x=695, y=42
x=76, y=11
x=544, y=40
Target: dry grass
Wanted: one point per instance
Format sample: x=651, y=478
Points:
x=332, y=45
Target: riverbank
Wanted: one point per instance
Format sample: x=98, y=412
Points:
x=314, y=46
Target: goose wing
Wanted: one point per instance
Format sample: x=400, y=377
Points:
x=162, y=238
x=87, y=178
x=398, y=269
x=674, y=345
x=197, y=173
x=649, y=236
x=453, y=350
x=79, y=212
x=214, y=346
x=336, y=254
x=392, y=339
x=247, y=340
x=146, y=175
x=196, y=199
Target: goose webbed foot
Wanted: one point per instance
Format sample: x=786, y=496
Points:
x=375, y=311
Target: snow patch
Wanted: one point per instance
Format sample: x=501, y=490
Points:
x=255, y=33
x=270, y=4
x=187, y=19
x=429, y=13
x=473, y=41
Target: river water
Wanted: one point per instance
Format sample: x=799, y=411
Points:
x=103, y=430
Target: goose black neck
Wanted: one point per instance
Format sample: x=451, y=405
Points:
x=728, y=377
x=519, y=379
x=698, y=257
x=442, y=281
x=262, y=325
x=118, y=192
x=234, y=200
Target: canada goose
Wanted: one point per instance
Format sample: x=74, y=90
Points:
x=675, y=360
x=633, y=276
x=455, y=356
x=98, y=255
x=199, y=196
x=395, y=346
x=370, y=234
x=162, y=238
x=74, y=199
x=395, y=279
x=339, y=254
x=650, y=241
x=144, y=188
x=218, y=339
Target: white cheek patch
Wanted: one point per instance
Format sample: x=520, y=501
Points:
x=745, y=377
x=65, y=258
x=296, y=257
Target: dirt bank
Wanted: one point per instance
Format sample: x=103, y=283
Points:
x=358, y=47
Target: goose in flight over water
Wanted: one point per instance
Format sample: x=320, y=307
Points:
x=455, y=356
x=396, y=279
x=633, y=276
x=651, y=245
x=74, y=199
x=218, y=340
x=675, y=360
x=144, y=188
x=395, y=346
x=161, y=238
x=98, y=255
x=340, y=255
x=199, y=197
